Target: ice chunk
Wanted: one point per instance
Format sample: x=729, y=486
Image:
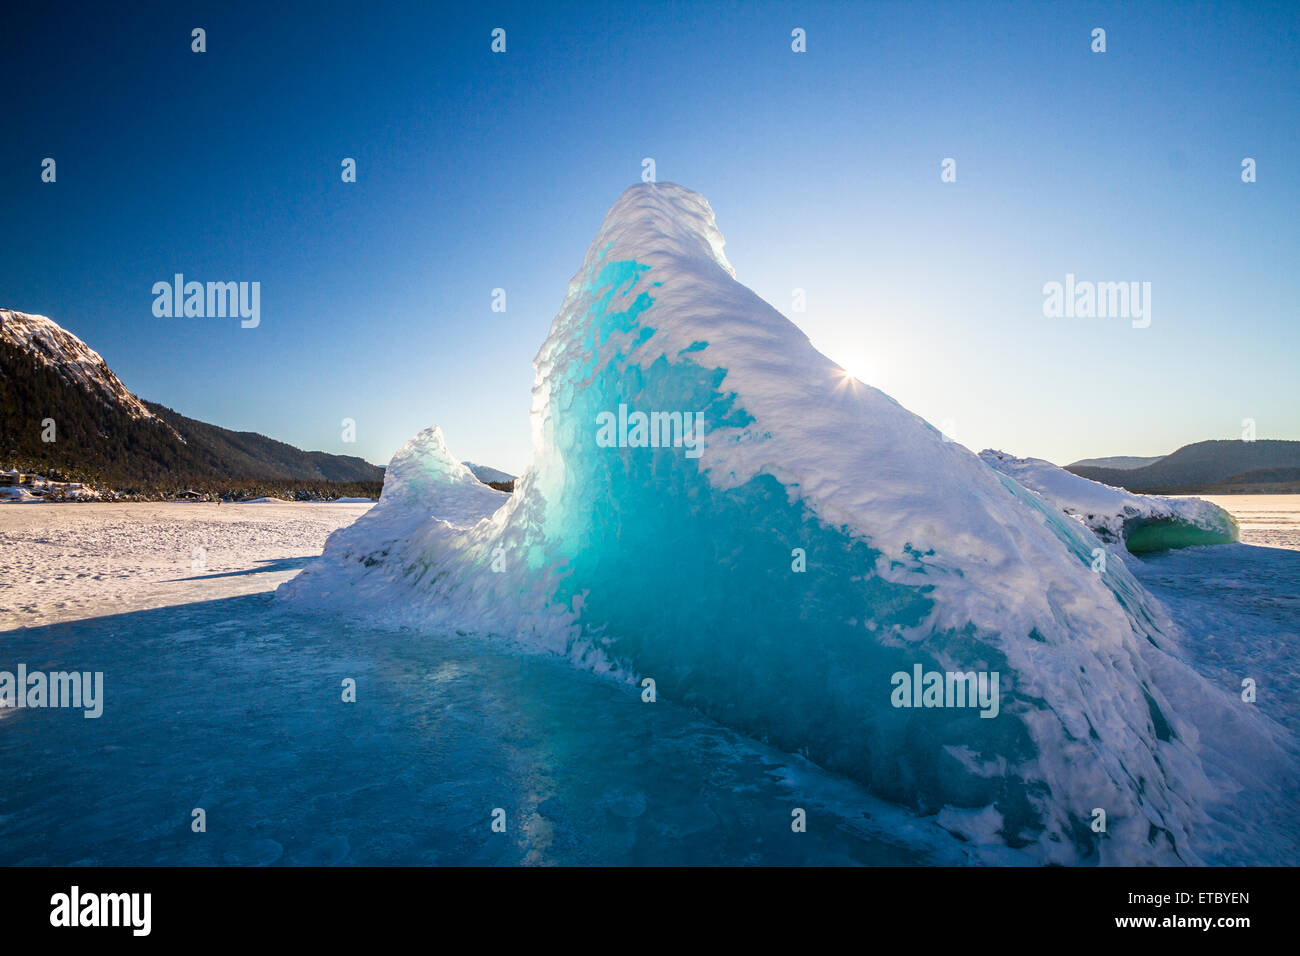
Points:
x=1139, y=522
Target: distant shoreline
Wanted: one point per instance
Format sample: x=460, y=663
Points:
x=1290, y=488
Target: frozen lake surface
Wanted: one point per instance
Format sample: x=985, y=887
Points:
x=1269, y=520
x=217, y=699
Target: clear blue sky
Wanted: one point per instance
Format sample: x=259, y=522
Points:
x=478, y=171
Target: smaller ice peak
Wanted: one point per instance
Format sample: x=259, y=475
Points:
x=431, y=510
x=423, y=460
x=657, y=223
x=424, y=471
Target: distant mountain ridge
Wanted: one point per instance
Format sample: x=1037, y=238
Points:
x=488, y=475
x=1209, y=466
x=1125, y=462
x=249, y=454
x=106, y=434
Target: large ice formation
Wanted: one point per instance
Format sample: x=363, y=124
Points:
x=825, y=540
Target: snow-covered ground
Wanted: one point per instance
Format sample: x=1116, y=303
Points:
x=65, y=562
x=1239, y=607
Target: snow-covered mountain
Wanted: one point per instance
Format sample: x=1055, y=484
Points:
x=74, y=361
x=485, y=474
x=105, y=433
x=716, y=507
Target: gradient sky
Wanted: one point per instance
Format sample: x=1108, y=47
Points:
x=478, y=170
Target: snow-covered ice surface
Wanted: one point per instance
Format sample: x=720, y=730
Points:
x=637, y=561
x=215, y=698
x=226, y=701
x=1269, y=520
x=61, y=562
x=1239, y=609
x=1119, y=517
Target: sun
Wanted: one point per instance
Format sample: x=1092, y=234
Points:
x=856, y=370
